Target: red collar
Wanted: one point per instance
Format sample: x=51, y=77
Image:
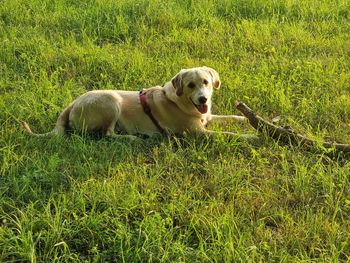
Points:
x=147, y=110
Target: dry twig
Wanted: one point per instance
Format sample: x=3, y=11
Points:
x=284, y=134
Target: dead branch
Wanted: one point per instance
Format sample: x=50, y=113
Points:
x=284, y=134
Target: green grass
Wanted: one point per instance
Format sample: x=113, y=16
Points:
x=78, y=199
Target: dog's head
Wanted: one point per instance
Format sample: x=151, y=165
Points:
x=195, y=85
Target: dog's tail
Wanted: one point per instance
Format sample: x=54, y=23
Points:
x=29, y=130
x=61, y=125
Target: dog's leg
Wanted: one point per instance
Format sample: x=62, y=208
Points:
x=123, y=136
x=110, y=133
x=244, y=137
x=223, y=118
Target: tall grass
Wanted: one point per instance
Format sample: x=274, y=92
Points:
x=78, y=199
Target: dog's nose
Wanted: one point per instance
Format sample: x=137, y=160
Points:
x=202, y=99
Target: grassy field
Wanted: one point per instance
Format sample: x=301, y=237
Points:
x=80, y=199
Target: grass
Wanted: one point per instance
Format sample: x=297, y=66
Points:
x=78, y=199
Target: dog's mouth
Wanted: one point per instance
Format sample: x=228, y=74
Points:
x=202, y=108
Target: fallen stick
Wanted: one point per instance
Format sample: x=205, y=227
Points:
x=286, y=135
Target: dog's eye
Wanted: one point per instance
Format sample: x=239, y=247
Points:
x=205, y=82
x=191, y=85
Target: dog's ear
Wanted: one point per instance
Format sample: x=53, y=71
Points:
x=177, y=84
x=215, y=77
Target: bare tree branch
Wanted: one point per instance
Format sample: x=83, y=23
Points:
x=284, y=134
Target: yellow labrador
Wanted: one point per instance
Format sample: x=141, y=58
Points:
x=182, y=105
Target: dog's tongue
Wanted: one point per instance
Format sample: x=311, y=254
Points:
x=203, y=108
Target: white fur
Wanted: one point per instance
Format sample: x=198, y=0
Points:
x=172, y=105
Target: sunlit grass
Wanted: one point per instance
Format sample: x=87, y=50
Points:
x=81, y=199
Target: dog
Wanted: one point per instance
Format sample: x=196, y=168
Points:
x=182, y=105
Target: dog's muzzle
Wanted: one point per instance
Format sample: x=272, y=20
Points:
x=202, y=107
